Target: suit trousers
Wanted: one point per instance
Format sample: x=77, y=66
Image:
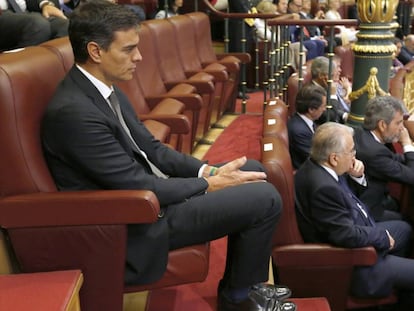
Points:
x=246, y=213
x=29, y=28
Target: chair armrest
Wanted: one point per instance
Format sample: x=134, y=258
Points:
x=244, y=58
x=203, y=87
x=219, y=75
x=178, y=123
x=192, y=102
x=47, y=209
x=312, y=255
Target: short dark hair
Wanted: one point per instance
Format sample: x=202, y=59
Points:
x=98, y=20
x=309, y=97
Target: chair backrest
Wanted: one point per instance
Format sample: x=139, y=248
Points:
x=133, y=91
x=63, y=49
x=201, y=24
x=185, y=36
x=147, y=72
x=276, y=159
x=346, y=54
x=169, y=62
x=28, y=79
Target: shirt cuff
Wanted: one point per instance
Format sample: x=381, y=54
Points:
x=360, y=180
x=201, y=170
x=408, y=148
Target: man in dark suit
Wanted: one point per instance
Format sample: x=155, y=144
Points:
x=92, y=139
x=320, y=76
x=328, y=211
x=383, y=125
x=310, y=104
x=407, y=51
x=30, y=22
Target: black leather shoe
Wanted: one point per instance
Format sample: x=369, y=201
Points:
x=263, y=297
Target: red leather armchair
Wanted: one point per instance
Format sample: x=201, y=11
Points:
x=51, y=230
x=310, y=270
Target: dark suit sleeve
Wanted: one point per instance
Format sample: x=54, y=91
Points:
x=91, y=146
x=328, y=209
x=387, y=165
x=405, y=57
x=300, y=140
x=33, y=5
x=332, y=216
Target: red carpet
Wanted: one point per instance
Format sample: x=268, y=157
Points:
x=241, y=138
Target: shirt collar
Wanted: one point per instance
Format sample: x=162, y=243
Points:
x=102, y=87
x=308, y=121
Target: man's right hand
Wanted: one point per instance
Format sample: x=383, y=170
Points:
x=230, y=175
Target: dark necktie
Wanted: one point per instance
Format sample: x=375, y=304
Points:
x=113, y=99
x=357, y=202
x=13, y=4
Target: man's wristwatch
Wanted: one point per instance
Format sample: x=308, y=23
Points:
x=42, y=4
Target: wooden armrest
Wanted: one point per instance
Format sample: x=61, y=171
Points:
x=178, y=123
x=48, y=209
x=311, y=255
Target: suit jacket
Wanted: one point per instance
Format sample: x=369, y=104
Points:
x=327, y=214
x=86, y=148
x=333, y=114
x=382, y=165
x=405, y=56
x=300, y=140
x=33, y=5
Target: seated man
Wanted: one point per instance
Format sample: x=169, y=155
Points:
x=328, y=211
x=407, y=50
x=92, y=139
x=383, y=125
x=30, y=22
x=310, y=104
x=314, y=44
x=320, y=75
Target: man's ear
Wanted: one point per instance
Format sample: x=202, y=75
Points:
x=333, y=162
x=94, y=51
x=382, y=126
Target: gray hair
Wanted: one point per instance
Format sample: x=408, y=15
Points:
x=328, y=139
x=320, y=65
x=381, y=108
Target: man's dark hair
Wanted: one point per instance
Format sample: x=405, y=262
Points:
x=309, y=97
x=97, y=21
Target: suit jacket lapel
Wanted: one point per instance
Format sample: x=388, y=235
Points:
x=90, y=90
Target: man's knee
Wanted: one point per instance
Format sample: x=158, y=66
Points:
x=253, y=165
x=36, y=29
x=268, y=198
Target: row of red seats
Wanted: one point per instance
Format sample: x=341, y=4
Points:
x=50, y=230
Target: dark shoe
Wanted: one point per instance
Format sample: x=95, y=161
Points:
x=287, y=306
x=263, y=297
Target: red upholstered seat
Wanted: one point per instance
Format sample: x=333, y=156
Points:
x=51, y=230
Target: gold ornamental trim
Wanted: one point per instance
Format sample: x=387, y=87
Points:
x=376, y=11
x=374, y=36
x=371, y=87
x=355, y=118
x=373, y=48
